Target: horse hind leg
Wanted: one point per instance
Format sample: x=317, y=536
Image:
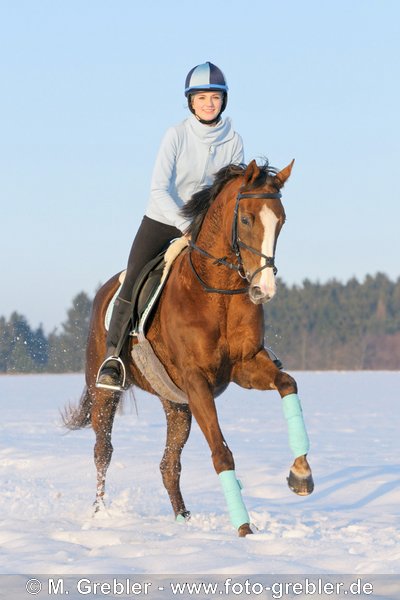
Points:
x=103, y=412
x=179, y=419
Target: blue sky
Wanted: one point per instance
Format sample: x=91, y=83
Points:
x=89, y=87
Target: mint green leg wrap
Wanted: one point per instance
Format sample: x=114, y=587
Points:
x=180, y=519
x=298, y=438
x=233, y=497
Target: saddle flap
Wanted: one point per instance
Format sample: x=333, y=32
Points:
x=146, y=285
x=151, y=282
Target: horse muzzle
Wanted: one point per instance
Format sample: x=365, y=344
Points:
x=258, y=296
x=263, y=288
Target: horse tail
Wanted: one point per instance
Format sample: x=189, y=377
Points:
x=78, y=417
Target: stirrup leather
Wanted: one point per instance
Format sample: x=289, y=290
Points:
x=118, y=388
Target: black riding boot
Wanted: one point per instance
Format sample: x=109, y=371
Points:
x=111, y=374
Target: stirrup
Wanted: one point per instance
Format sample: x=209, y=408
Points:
x=110, y=386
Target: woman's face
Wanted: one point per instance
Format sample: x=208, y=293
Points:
x=207, y=105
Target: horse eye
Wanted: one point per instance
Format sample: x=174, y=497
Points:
x=245, y=220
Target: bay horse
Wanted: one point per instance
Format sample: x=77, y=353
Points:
x=207, y=330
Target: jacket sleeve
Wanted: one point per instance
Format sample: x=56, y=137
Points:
x=238, y=151
x=162, y=180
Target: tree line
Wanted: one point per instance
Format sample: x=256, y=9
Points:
x=23, y=350
x=313, y=326
x=337, y=326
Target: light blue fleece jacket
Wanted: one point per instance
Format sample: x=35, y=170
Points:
x=189, y=156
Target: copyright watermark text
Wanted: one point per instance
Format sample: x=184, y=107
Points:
x=201, y=587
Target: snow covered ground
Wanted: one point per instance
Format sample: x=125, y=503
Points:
x=350, y=524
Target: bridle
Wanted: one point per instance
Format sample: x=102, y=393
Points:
x=236, y=244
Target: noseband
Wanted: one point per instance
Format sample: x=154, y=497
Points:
x=236, y=244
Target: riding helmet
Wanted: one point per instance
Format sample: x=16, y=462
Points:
x=206, y=78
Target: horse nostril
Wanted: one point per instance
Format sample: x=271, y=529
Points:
x=257, y=295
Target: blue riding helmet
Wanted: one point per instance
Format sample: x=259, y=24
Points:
x=206, y=77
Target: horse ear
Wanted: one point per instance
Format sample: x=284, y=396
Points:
x=251, y=172
x=283, y=176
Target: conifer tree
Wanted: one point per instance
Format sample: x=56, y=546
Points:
x=21, y=349
x=67, y=349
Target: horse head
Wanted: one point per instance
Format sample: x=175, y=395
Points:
x=236, y=223
x=258, y=220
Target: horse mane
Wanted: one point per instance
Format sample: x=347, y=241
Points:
x=196, y=208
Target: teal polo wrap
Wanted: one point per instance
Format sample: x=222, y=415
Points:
x=233, y=497
x=298, y=438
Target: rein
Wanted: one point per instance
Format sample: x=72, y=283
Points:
x=217, y=261
x=236, y=244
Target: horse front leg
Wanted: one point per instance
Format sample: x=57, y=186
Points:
x=260, y=373
x=103, y=412
x=202, y=405
x=179, y=420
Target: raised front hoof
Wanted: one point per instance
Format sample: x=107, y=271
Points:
x=244, y=530
x=302, y=486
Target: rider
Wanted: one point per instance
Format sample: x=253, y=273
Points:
x=190, y=155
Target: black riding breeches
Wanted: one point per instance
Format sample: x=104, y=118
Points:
x=151, y=238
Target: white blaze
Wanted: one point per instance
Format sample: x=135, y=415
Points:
x=267, y=279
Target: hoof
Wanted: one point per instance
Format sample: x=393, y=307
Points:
x=244, y=530
x=183, y=516
x=98, y=506
x=302, y=486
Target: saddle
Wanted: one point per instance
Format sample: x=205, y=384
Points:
x=148, y=286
